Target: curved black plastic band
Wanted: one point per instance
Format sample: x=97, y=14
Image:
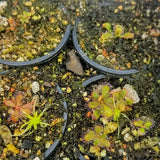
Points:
x=93, y=79
x=94, y=64
x=50, y=150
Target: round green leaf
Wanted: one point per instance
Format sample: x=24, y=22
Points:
x=89, y=136
x=93, y=104
x=105, y=90
x=98, y=129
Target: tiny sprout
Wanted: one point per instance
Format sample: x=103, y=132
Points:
x=109, y=103
x=33, y=123
x=142, y=124
x=114, y=33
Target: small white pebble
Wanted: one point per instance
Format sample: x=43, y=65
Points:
x=35, y=87
x=47, y=145
x=103, y=153
x=65, y=158
x=37, y=158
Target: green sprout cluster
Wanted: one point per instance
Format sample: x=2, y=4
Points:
x=141, y=125
x=99, y=136
x=109, y=104
x=106, y=106
x=117, y=32
x=33, y=123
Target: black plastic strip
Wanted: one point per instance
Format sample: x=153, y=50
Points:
x=50, y=150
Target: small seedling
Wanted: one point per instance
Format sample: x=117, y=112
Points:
x=109, y=103
x=117, y=32
x=32, y=124
x=142, y=124
x=99, y=137
x=17, y=107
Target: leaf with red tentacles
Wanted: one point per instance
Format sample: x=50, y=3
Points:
x=17, y=107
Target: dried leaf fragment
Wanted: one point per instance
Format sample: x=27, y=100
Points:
x=55, y=121
x=12, y=148
x=6, y=134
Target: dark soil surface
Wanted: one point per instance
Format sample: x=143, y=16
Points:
x=137, y=17
x=33, y=28
x=146, y=83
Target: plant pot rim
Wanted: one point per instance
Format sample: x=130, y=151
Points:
x=50, y=150
x=53, y=147
x=50, y=55
x=93, y=64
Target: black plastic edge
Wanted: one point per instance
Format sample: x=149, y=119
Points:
x=44, y=58
x=94, y=64
x=93, y=79
x=77, y=154
x=50, y=150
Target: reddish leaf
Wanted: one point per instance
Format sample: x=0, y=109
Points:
x=19, y=109
x=9, y=103
x=15, y=116
x=28, y=106
x=19, y=97
x=24, y=111
x=96, y=114
x=94, y=94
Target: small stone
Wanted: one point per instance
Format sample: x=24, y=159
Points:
x=37, y=158
x=69, y=90
x=3, y=23
x=74, y=64
x=28, y=3
x=131, y=93
x=125, y=130
x=3, y=5
x=124, y=153
x=20, y=59
x=38, y=152
x=27, y=144
x=155, y=40
x=120, y=152
x=103, y=153
x=47, y=145
x=38, y=138
x=144, y=36
x=65, y=158
x=6, y=135
x=35, y=87
x=100, y=58
x=128, y=137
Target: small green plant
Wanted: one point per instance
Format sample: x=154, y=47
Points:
x=17, y=107
x=32, y=124
x=111, y=33
x=142, y=124
x=24, y=17
x=99, y=137
x=109, y=103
